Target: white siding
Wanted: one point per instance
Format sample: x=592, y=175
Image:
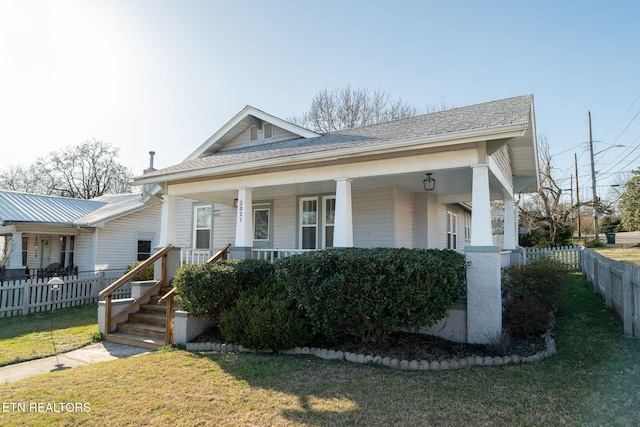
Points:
x=373, y=217
x=224, y=225
x=118, y=240
x=242, y=140
x=84, y=252
x=403, y=218
x=184, y=222
x=284, y=222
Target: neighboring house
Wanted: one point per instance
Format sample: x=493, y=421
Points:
x=74, y=235
x=266, y=185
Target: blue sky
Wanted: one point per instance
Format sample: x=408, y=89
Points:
x=165, y=75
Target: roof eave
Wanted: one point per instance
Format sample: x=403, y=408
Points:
x=508, y=131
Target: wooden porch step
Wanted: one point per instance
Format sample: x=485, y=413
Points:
x=143, y=330
x=158, y=318
x=135, y=340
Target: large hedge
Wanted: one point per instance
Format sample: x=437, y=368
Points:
x=265, y=317
x=208, y=289
x=371, y=292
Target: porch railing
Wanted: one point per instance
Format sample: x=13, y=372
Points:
x=108, y=292
x=273, y=254
x=195, y=256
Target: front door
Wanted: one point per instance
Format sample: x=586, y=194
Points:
x=263, y=225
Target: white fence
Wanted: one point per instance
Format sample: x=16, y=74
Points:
x=618, y=284
x=568, y=255
x=273, y=254
x=32, y=295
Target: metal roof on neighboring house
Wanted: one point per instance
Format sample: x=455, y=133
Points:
x=18, y=207
x=488, y=116
x=117, y=205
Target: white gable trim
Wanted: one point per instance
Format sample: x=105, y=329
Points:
x=212, y=144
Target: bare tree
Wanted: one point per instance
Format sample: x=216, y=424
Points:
x=347, y=108
x=86, y=171
x=546, y=209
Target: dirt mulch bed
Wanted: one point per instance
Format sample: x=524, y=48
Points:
x=413, y=346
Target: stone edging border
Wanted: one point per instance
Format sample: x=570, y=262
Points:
x=394, y=363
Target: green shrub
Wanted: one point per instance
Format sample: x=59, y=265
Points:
x=208, y=289
x=526, y=316
x=145, y=274
x=543, y=278
x=265, y=317
x=371, y=292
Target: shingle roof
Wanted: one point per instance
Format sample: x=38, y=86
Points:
x=486, y=116
x=37, y=208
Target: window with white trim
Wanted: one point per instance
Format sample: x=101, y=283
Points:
x=202, y=222
x=253, y=133
x=467, y=226
x=309, y=223
x=267, y=128
x=261, y=224
x=329, y=205
x=67, y=250
x=452, y=231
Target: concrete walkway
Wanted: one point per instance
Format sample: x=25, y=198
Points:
x=100, y=352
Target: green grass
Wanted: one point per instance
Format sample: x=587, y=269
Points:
x=29, y=337
x=592, y=380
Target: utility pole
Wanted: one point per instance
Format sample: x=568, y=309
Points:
x=593, y=182
x=575, y=159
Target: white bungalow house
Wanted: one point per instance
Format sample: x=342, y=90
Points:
x=41, y=235
x=268, y=186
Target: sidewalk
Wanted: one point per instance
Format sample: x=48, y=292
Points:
x=100, y=352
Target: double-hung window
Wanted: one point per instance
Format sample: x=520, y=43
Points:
x=202, y=222
x=317, y=220
x=67, y=250
x=452, y=231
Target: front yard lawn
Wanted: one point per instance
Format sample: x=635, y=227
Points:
x=592, y=380
x=29, y=337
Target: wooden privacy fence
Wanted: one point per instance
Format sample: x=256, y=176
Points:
x=618, y=284
x=568, y=255
x=32, y=295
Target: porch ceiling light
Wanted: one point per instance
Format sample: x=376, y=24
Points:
x=429, y=182
x=55, y=283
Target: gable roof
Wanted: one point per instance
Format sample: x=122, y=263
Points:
x=443, y=127
x=19, y=207
x=248, y=116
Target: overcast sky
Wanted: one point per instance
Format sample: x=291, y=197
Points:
x=165, y=75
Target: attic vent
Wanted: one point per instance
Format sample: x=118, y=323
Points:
x=253, y=133
x=268, y=130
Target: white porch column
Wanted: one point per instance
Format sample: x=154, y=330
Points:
x=510, y=236
x=168, y=222
x=481, y=230
x=484, y=298
x=343, y=223
x=244, y=219
x=15, y=259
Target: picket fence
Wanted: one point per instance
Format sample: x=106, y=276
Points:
x=21, y=297
x=618, y=283
x=568, y=255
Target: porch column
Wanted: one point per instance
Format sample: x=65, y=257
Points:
x=168, y=222
x=244, y=224
x=484, y=298
x=510, y=236
x=481, y=230
x=343, y=222
x=15, y=259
